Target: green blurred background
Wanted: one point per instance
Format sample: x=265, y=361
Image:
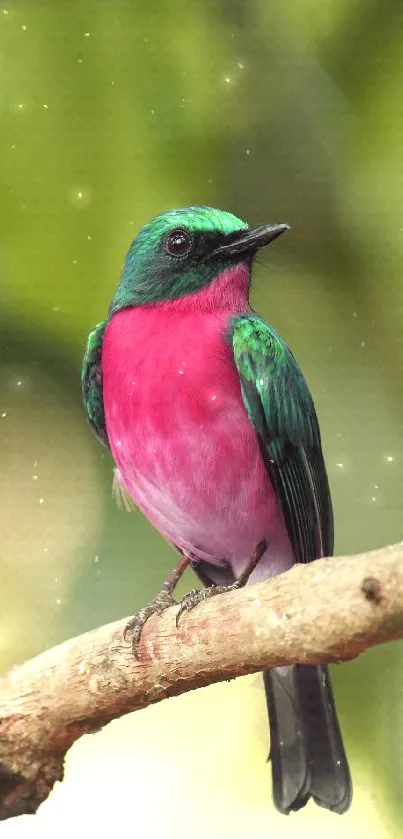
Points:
x=112, y=112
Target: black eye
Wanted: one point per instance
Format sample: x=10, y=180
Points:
x=178, y=243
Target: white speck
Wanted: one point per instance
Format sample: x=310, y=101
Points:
x=24, y=28
x=13, y=146
x=354, y=314
x=46, y=550
x=247, y=151
x=338, y=762
x=96, y=558
x=340, y=465
x=20, y=106
x=389, y=458
x=58, y=602
x=74, y=262
x=35, y=463
x=46, y=107
x=5, y=11
x=89, y=238
x=87, y=34
x=261, y=381
x=213, y=397
x=41, y=500
x=34, y=477
x=363, y=343
x=181, y=372
x=56, y=308
x=257, y=601
x=240, y=65
x=373, y=498
x=4, y=414
x=152, y=111
x=56, y=580
x=133, y=382
x=376, y=486
x=19, y=382
x=119, y=443
x=80, y=196
x=80, y=60
x=227, y=80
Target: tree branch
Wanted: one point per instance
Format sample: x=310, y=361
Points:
x=327, y=611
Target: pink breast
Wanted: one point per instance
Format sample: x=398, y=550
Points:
x=179, y=432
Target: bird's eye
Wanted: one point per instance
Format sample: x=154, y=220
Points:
x=178, y=243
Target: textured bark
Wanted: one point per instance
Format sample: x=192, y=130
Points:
x=330, y=610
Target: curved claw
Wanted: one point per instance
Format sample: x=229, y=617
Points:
x=162, y=601
x=183, y=607
x=196, y=596
x=189, y=600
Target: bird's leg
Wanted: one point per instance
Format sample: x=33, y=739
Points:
x=192, y=598
x=162, y=601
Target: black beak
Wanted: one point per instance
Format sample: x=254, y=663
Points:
x=249, y=241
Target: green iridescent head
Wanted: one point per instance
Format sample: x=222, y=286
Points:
x=181, y=251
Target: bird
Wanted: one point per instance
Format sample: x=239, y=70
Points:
x=215, y=438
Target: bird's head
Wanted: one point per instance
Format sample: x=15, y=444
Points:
x=182, y=252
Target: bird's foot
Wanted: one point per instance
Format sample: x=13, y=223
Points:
x=162, y=601
x=194, y=597
x=134, y=626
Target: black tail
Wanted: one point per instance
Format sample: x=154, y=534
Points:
x=306, y=749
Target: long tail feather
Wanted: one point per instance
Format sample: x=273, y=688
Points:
x=307, y=752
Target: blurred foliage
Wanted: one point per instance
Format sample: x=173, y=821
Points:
x=110, y=113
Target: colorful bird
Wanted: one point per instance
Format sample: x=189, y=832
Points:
x=215, y=438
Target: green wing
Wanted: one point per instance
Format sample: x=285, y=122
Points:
x=91, y=382
x=281, y=409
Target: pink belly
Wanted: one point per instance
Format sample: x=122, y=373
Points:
x=180, y=436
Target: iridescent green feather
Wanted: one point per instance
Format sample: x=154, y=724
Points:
x=281, y=408
x=91, y=382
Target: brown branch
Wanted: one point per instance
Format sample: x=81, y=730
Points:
x=330, y=610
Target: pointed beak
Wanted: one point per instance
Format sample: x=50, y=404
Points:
x=249, y=241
